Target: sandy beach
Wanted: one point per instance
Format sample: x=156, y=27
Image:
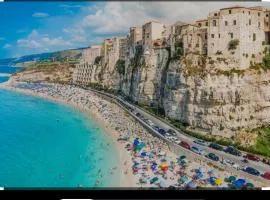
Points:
x=151, y=165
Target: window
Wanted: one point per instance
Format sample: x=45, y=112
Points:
x=249, y=22
x=212, y=35
x=230, y=11
x=259, y=24
x=234, y=22
x=259, y=14
x=249, y=12
x=205, y=36
x=200, y=24
x=226, y=23
x=231, y=35
x=254, y=37
x=206, y=24
x=215, y=14
x=218, y=35
x=214, y=23
x=243, y=11
x=266, y=15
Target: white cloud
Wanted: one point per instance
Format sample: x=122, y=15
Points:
x=7, y=46
x=42, y=42
x=40, y=15
x=116, y=17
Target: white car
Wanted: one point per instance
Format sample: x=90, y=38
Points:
x=236, y=166
x=177, y=141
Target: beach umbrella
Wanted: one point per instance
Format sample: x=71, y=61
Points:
x=182, y=157
x=183, y=179
x=201, y=170
x=218, y=182
x=239, y=183
x=153, y=180
x=191, y=184
x=249, y=185
x=199, y=176
x=164, y=166
x=212, y=180
x=143, y=154
x=232, y=179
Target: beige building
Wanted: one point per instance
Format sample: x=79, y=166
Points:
x=152, y=31
x=82, y=74
x=193, y=38
x=249, y=26
x=91, y=53
x=135, y=39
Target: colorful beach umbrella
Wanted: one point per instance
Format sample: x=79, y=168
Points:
x=249, y=185
x=239, y=183
x=218, y=182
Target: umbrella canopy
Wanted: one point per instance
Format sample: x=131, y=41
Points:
x=212, y=180
x=153, y=180
x=218, y=182
x=182, y=157
x=232, y=179
x=164, y=166
x=184, y=179
x=239, y=183
x=249, y=185
x=199, y=176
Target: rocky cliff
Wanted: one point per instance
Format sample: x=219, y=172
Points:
x=209, y=94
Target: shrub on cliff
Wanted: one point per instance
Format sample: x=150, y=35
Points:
x=233, y=44
x=120, y=66
x=97, y=60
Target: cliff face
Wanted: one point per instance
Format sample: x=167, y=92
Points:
x=221, y=102
x=205, y=93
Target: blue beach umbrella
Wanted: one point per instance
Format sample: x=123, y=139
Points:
x=239, y=183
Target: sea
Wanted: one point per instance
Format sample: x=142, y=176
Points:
x=45, y=144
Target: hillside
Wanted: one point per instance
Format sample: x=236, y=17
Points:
x=30, y=59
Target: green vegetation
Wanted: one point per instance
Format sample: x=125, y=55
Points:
x=239, y=72
x=262, y=145
x=100, y=87
x=179, y=49
x=120, y=66
x=233, y=44
x=98, y=60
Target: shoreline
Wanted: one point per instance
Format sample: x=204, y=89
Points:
x=124, y=157
x=135, y=170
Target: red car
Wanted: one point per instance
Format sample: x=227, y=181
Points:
x=184, y=144
x=252, y=157
x=266, y=175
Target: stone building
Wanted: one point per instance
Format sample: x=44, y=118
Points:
x=91, y=53
x=135, y=39
x=193, y=37
x=81, y=74
x=151, y=31
x=238, y=33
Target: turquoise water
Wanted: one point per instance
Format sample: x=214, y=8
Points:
x=46, y=144
x=7, y=70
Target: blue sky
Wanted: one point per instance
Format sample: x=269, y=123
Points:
x=37, y=27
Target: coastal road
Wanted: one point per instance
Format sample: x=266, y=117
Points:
x=189, y=139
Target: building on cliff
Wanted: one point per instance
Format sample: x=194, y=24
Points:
x=81, y=74
x=151, y=32
x=239, y=33
x=134, y=39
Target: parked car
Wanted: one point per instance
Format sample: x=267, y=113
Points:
x=197, y=150
x=161, y=131
x=236, y=166
x=216, y=146
x=233, y=151
x=212, y=156
x=266, y=175
x=252, y=157
x=150, y=123
x=252, y=171
x=200, y=142
x=245, y=161
x=155, y=128
x=266, y=161
x=171, y=132
x=177, y=141
x=184, y=144
x=227, y=162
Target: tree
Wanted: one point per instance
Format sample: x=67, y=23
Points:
x=233, y=44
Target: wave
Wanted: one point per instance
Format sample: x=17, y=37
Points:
x=4, y=75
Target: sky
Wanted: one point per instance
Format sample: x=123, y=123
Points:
x=39, y=27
